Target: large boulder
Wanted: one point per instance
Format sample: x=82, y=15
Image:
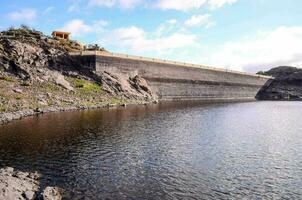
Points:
x=60, y=80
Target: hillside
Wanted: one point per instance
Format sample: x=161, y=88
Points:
x=37, y=74
x=286, y=86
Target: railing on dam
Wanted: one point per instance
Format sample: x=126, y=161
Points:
x=156, y=60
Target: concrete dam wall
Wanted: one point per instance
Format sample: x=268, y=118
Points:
x=179, y=81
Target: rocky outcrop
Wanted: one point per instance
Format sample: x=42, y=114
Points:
x=23, y=51
x=128, y=87
x=35, y=57
x=287, y=84
x=37, y=73
x=24, y=186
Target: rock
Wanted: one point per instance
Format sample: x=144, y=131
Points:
x=141, y=83
x=155, y=101
x=111, y=105
x=17, y=185
x=24, y=186
x=38, y=110
x=60, y=80
x=40, y=62
x=17, y=90
x=51, y=193
x=26, y=54
x=29, y=194
x=130, y=88
x=43, y=103
x=287, y=84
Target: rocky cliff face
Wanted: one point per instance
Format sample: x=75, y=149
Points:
x=37, y=72
x=286, y=86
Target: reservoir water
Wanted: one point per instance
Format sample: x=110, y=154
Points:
x=183, y=150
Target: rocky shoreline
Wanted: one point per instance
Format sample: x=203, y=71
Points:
x=18, y=115
x=24, y=186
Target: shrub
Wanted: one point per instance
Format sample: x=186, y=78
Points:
x=7, y=78
x=87, y=86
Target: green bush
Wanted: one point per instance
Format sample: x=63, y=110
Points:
x=7, y=78
x=25, y=83
x=87, y=86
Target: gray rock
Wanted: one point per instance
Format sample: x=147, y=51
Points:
x=29, y=194
x=60, y=80
x=51, y=193
x=24, y=186
x=17, y=90
x=17, y=185
x=287, y=84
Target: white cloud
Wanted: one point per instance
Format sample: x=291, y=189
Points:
x=78, y=27
x=281, y=46
x=124, y=4
x=172, y=21
x=197, y=20
x=24, y=15
x=214, y=4
x=106, y=3
x=129, y=3
x=99, y=24
x=138, y=41
x=183, y=5
x=48, y=10
x=168, y=27
x=73, y=8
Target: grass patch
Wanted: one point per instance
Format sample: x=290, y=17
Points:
x=19, y=97
x=7, y=78
x=2, y=108
x=49, y=87
x=25, y=84
x=116, y=101
x=87, y=86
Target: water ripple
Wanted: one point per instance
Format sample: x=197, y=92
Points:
x=166, y=151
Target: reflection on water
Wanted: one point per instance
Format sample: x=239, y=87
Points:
x=166, y=151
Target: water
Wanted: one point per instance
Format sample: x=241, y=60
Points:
x=166, y=151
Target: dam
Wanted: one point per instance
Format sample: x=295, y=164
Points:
x=171, y=80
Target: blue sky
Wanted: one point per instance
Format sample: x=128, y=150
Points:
x=246, y=35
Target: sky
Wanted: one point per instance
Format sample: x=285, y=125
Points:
x=244, y=35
